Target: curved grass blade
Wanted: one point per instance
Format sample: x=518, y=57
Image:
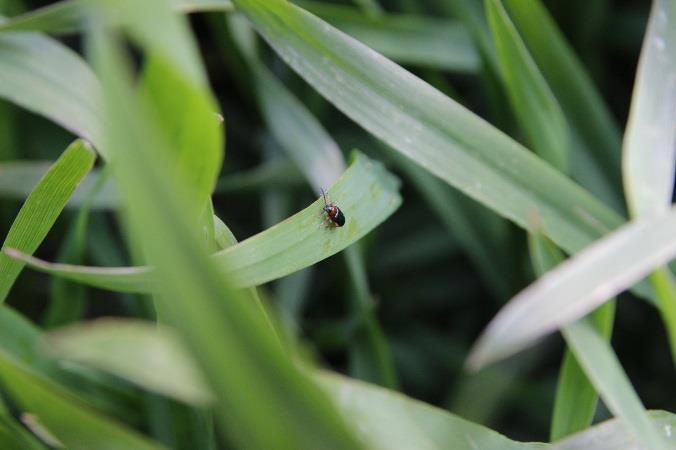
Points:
x=121, y=347
x=230, y=339
x=70, y=419
x=366, y=192
x=406, y=38
x=17, y=179
x=46, y=77
x=42, y=207
x=429, y=128
x=536, y=108
x=577, y=286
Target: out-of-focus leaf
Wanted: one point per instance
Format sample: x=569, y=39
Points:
x=366, y=193
x=534, y=103
x=256, y=370
x=17, y=179
x=134, y=350
x=429, y=128
x=71, y=15
x=408, y=39
x=70, y=419
x=42, y=207
x=577, y=286
x=14, y=436
x=49, y=79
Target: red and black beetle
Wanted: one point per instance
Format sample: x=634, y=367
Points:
x=334, y=214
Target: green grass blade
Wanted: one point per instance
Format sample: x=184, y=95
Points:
x=13, y=435
x=121, y=347
x=406, y=38
x=71, y=420
x=230, y=339
x=578, y=286
x=576, y=398
x=17, y=179
x=429, y=128
x=596, y=137
x=601, y=365
x=42, y=207
x=649, y=150
x=48, y=78
x=536, y=108
x=366, y=192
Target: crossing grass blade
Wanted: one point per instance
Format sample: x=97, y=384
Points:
x=429, y=128
x=577, y=286
x=41, y=209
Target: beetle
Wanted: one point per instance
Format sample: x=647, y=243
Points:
x=334, y=214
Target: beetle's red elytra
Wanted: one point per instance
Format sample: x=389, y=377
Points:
x=333, y=213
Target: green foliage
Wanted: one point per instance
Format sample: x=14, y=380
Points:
x=215, y=343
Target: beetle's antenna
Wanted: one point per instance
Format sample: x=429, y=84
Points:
x=324, y=195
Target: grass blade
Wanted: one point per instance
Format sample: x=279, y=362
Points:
x=68, y=92
x=578, y=286
x=17, y=179
x=41, y=209
x=605, y=371
x=650, y=139
x=366, y=192
x=536, y=108
x=121, y=347
x=71, y=420
x=406, y=38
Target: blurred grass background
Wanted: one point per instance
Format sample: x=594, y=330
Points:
x=429, y=298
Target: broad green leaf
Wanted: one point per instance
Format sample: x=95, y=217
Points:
x=650, y=139
x=231, y=341
x=536, y=108
x=140, y=352
x=429, y=128
x=42, y=207
x=69, y=418
x=17, y=179
x=601, y=365
x=366, y=193
x=576, y=398
x=595, y=153
x=578, y=286
x=406, y=38
x=46, y=77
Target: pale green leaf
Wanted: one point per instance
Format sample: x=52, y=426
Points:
x=578, y=286
x=140, y=352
